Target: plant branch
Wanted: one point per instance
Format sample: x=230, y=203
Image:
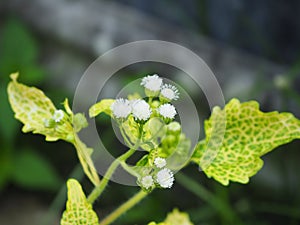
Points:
x=100, y=188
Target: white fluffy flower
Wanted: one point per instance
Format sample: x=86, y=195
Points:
x=167, y=111
x=174, y=126
x=58, y=115
x=153, y=83
x=141, y=110
x=169, y=92
x=147, y=182
x=165, y=178
x=160, y=162
x=121, y=108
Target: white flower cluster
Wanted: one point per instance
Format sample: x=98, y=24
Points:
x=152, y=83
x=169, y=92
x=122, y=108
x=147, y=181
x=141, y=110
x=155, y=84
x=167, y=111
x=58, y=115
x=163, y=178
x=160, y=162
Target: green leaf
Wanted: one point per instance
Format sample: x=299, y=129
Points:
x=34, y=172
x=79, y=122
x=38, y=114
x=35, y=110
x=250, y=134
x=100, y=107
x=78, y=210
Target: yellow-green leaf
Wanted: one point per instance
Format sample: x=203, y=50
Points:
x=175, y=218
x=153, y=130
x=178, y=218
x=84, y=155
x=78, y=210
x=35, y=110
x=38, y=114
x=100, y=107
x=249, y=134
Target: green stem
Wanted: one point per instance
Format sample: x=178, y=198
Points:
x=150, y=100
x=125, y=136
x=222, y=207
x=129, y=169
x=124, y=207
x=100, y=188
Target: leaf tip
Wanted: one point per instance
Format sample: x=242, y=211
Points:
x=67, y=106
x=92, y=112
x=14, y=76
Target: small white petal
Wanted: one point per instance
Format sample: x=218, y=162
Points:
x=153, y=83
x=147, y=182
x=167, y=111
x=58, y=115
x=141, y=110
x=121, y=108
x=165, y=178
x=170, y=92
x=160, y=162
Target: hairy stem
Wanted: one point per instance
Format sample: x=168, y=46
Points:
x=100, y=188
x=124, y=207
x=121, y=159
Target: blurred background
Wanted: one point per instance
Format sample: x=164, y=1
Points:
x=252, y=47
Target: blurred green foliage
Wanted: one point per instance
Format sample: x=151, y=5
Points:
x=19, y=52
x=23, y=167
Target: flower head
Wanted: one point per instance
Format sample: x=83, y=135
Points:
x=169, y=92
x=141, y=110
x=165, y=178
x=174, y=126
x=152, y=83
x=121, y=108
x=167, y=110
x=58, y=115
x=147, y=182
x=160, y=162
